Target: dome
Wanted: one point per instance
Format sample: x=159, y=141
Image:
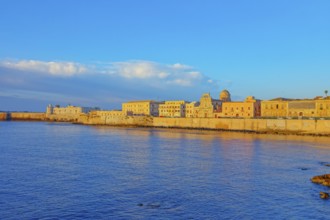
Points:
x=225, y=96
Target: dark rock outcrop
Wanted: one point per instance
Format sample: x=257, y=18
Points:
x=324, y=195
x=322, y=179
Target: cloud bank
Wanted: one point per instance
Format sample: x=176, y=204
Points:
x=160, y=74
x=52, y=68
x=99, y=84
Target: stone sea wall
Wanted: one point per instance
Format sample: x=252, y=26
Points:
x=3, y=116
x=255, y=125
x=33, y=116
x=118, y=121
x=290, y=126
x=63, y=118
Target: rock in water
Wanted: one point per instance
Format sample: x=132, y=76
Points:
x=324, y=195
x=322, y=179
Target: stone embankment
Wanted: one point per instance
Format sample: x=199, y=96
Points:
x=3, y=116
x=142, y=121
x=278, y=126
x=26, y=116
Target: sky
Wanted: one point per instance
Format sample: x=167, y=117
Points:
x=102, y=53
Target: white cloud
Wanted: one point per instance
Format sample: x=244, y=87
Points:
x=181, y=66
x=156, y=73
x=52, y=68
x=138, y=69
x=103, y=84
x=152, y=73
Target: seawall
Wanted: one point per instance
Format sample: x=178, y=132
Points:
x=283, y=126
x=26, y=116
x=117, y=121
x=290, y=126
x=3, y=116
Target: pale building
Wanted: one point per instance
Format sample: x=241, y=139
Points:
x=296, y=108
x=208, y=107
x=274, y=108
x=68, y=110
x=323, y=107
x=172, y=109
x=249, y=108
x=141, y=108
x=192, y=109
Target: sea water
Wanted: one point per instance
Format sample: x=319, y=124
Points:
x=67, y=171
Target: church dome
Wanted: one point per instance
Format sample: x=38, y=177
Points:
x=225, y=96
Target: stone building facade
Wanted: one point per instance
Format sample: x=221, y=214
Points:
x=68, y=110
x=208, y=107
x=173, y=109
x=296, y=108
x=249, y=108
x=274, y=108
x=192, y=109
x=141, y=108
x=68, y=113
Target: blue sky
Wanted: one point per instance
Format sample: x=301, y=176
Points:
x=102, y=53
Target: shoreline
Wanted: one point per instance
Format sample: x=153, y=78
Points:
x=301, y=127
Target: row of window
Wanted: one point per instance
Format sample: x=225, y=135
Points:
x=171, y=106
x=65, y=111
x=237, y=108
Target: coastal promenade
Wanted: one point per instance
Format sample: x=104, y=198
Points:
x=281, y=126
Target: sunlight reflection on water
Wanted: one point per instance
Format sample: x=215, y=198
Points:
x=65, y=171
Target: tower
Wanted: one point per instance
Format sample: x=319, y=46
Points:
x=49, y=110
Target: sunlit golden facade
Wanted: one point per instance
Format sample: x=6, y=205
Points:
x=141, y=108
x=192, y=110
x=172, y=109
x=208, y=107
x=249, y=108
x=296, y=108
x=274, y=108
x=68, y=110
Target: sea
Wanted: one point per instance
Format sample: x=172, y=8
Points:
x=69, y=171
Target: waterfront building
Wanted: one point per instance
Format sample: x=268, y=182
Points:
x=208, y=107
x=293, y=108
x=249, y=108
x=141, y=108
x=192, y=109
x=68, y=110
x=275, y=108
x=173, y=109
x=68, y=113
x=322, y=107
